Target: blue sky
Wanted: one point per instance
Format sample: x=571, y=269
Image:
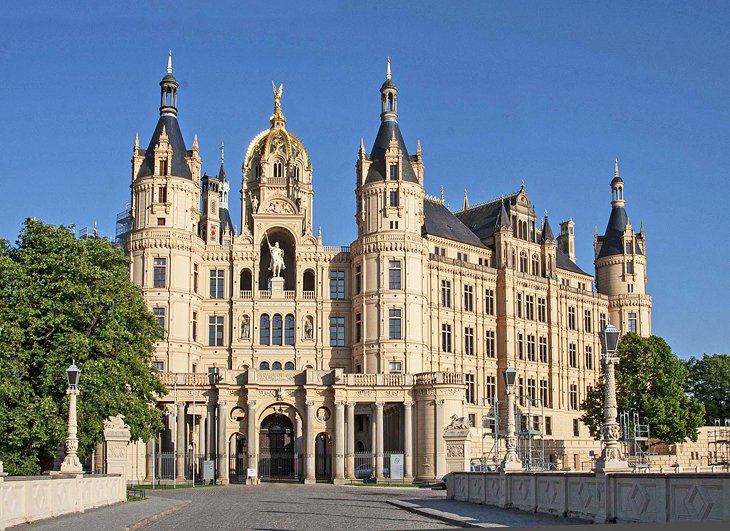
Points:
x=498, y=92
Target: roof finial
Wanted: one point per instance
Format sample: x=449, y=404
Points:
x=387, y=72
x=522, y=188
x=362, y=147
x=442, y=195
x=418, y=149
x=169, y=63
x=223, y=156
x=278, y=115
x=466, y=200
x=546, y=213
x=615, y=171
x=195, y=142
x=136, y=141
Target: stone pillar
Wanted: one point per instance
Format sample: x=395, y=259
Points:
x=222, y=446
x=180, y=448
x=379, y=440
x=511, y=462
x=339, y=443
x=116, y=442
x=71, y=463
x=612, y=458
x=150, y=460
x=439, y=443
x=251, y=460
x=350, y=451
x=408, y=440
x=309, y=464
x=458, y=447
x=204, y=448
x=212, y=450
x=297, y=435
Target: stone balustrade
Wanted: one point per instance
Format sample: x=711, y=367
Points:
x=434, y=378
x=621, y=497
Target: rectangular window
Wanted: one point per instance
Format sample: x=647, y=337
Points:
x=160, y=314
x=217, y=280
x=519, y=305
x=160, y=222
x=589, y=357
x=531, y=388
x=337, y=285
x=573, y=355
x=573, y=396
x=160, y=273
x=520, y=346
x=337, y=331
x=196, y=274
x=469, y=341
x=548, y=425
x=489, y=301
x=163, y=167
x=491, y=387
x=462, y=257
x=544, y=393
x=471, y=396
x=445, y=337
x=162, y=194
x=393, y=172
x=446, y=294
x=521, y=389
x=358, y=280
x=602, y=320
x=215, y=331
x=542, y=349
x=629, y=268
x=358, y=327
x=588, y=324
x=632, y=322
x=576, y=428
x=394, y=198
x=158, y=365
x=468, y=298
x=396, y=367
x=490, y=347
x=535, y=423
x=195, y=326
x=394, y=325
x=530, y=307
x=530, y=347
x=472, y=419
x=571, y=318
x=394, y=274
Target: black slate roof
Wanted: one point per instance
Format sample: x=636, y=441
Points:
x=563, y=261
x=178, y=168
x=613, y=239
x=482, y=219
x=547, y=232
x=439, y=221
x=377, y=171
x=225, y=218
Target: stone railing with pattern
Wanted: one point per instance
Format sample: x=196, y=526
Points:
x=436, y=378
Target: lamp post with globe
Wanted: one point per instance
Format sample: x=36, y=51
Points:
x=71, y=463
x=511, y=461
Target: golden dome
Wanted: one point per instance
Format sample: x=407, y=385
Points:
x=273, y=142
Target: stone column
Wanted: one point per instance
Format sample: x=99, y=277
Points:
x=611, y=456
x=339, y=442
x=511, y=462
x=180, y=448
x=297, y=435
x=350, y=451
x=149, y=451
x=71, y=463
x=222, y=446
x=439, y=443
x=212, y=450
x=379, y=440
x=408, y=440
x=204, y=448
x=251, y=461
x=309, y=464
x=116, y=443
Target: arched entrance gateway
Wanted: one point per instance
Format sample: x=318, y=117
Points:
x=278, y=458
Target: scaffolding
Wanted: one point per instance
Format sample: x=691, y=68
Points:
x=490, y=458
x=719, y=443
x=635, y=440
x=530, y=436
x=124, y=226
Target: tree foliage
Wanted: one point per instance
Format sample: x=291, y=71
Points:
x=650, y=379
x=64, y=299
x=709, y=383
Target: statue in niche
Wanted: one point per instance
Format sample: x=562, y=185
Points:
x=277, y=258
x=308, y=327
x=246, y=327
x=254, y=202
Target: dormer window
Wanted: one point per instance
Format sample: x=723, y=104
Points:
x=163, y=167
x=628, y=247
x=393, y=172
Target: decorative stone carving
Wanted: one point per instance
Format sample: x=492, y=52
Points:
x=278, y=207
x=458, y=423
x=277, y=258
x=308, y=327
x=455, y=450
x=246, y=327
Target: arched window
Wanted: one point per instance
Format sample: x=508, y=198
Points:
x=514, y=260
x=246, y=280
x=535, y=265
x=276, y=330
x=264, y=366
x=390, y=102
x=523, y=262
x=265, y=330
x=278, y=169
x=289, y=330
x=308, y=280
x=258, y=171
x=276, y=366
x=295, y=172
x=289, y=366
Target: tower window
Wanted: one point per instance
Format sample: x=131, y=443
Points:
x=196, y=275
x=217, y=281
x=163, y=168
x=394, y=274
x=358, y=280
x=160, y=314
x=396, y=367
x=358, y=327
x=337, y=331
x=160, y=222
x=195, y=326
x=278, y=169
x=162, y=193
x=394, y=323
x=215, y=331
x=394, y=198
x=632, y=322
x=393, y=172
x=160, y=273
x=445, y=337
x=629, y=268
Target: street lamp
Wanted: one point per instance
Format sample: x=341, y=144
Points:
x=511, y=462
x=71, y=463
x=611, y=459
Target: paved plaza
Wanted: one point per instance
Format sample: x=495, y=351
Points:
x=288, y=506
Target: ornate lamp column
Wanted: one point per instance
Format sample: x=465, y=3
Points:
x=511, y=462
x=71, y=463
x=611, y=459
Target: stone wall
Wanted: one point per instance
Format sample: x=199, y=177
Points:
x=26, y=499
x=630, y=497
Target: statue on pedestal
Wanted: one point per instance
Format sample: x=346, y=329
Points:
x=277, y=258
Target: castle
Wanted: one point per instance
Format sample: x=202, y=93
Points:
x=310, y=362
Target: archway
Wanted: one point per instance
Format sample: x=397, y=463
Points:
x=323, y=457
x=287, y=243
x=277, y=458
x=238, y=460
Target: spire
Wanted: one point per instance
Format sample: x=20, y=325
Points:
x=389, y=98
x=195, y=142
x=547, y=232
x=362, y=148
x=418, y=149
x=278, y=120
x=388, y=75
x=136, y=142
x=169, y=63
x=617, y=189
x=222, y=171
x=503, y=221
x=615, y=171
x=442, y=195
x=466, y=200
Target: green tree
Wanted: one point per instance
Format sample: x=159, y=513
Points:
x=709, y=383
x=650, y=379
x=63, y=299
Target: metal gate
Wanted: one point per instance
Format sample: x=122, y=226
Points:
x=285, y=466
x=238, y=468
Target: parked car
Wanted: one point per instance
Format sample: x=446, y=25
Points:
x=440, y=485
x=366, y=471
